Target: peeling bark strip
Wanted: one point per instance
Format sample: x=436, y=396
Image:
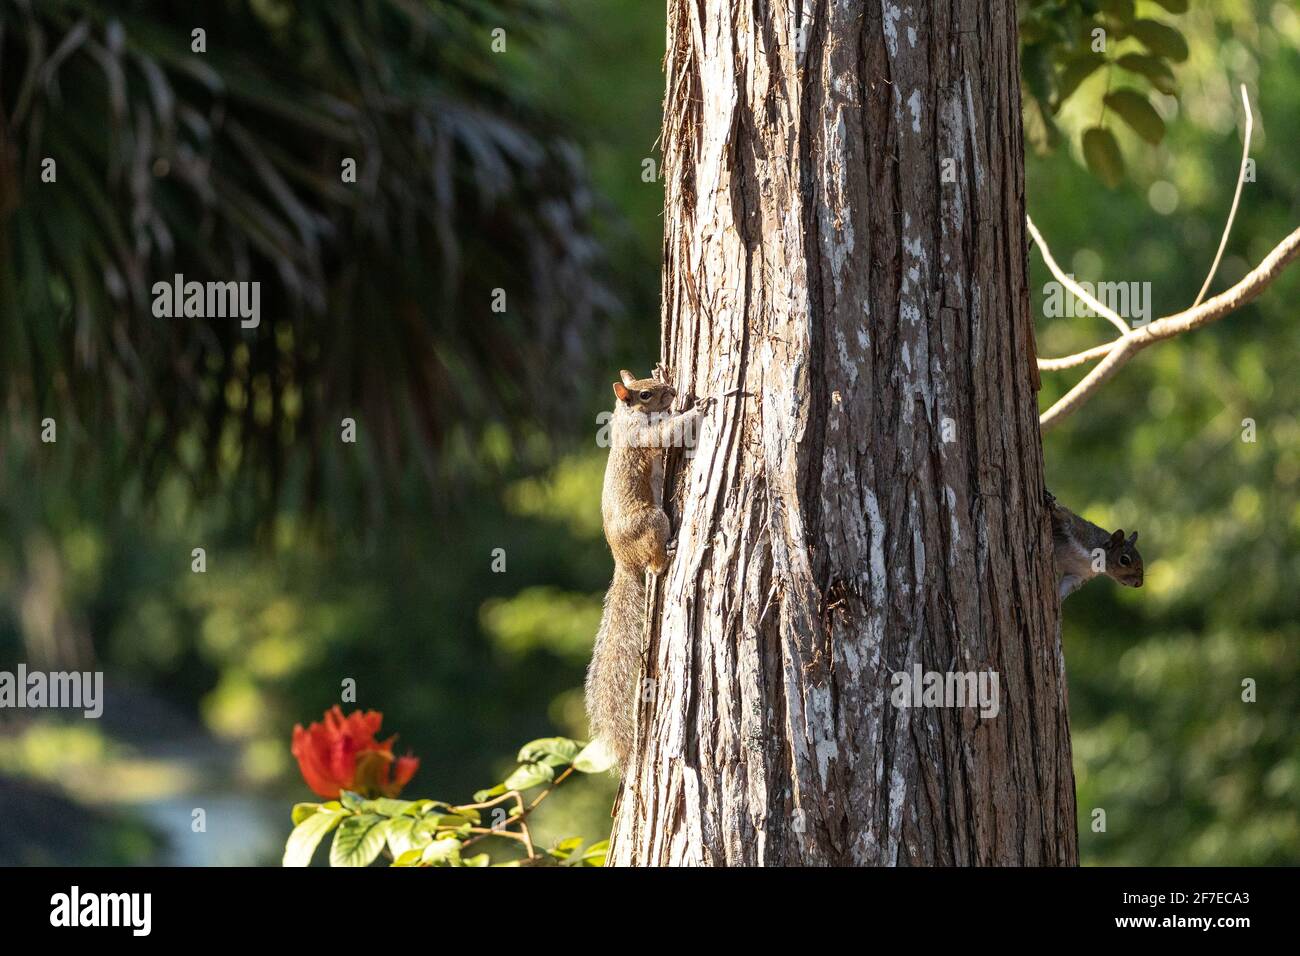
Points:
x=830, y=536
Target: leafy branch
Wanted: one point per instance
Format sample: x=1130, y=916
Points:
x=1117, y=352
x=436, y=833
x=1065, y=43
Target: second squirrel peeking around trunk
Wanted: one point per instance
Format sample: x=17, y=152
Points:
x=637, y=530
x=1082, y=551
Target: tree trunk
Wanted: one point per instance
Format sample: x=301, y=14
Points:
x=844, y=240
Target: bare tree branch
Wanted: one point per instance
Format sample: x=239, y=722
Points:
x=1078, y=358
x=1079, y=291
x=1120, y=351
x=1236, y=198
x=1099, y=351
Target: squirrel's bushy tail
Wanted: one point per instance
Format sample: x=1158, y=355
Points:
x=615, y=661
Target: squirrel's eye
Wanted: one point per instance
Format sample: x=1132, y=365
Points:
x=1125, y=560
x=645, y=396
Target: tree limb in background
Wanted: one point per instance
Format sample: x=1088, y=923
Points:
x=1118, y=351
x=1236, y=197
x=1077, y=290
x=1216, y=308
x=1078, y=358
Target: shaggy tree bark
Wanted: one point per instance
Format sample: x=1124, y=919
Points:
x=844, y=240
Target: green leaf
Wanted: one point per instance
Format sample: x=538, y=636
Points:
x=1101, y=153
x=1120, y=8
x=530, y=775
x=1138, y=113
x=1161, y=39
x=596, y=757
x=421, y=834
x=401, y=835
x=353, y=801
x=560, y=749
x=387, y=807
x=566, y=848
x=444, y=820
x=359, y=840
x=478, y=860
x=468, y=813
x=596, y=854
x=1076, y=69
x=409, y=858
x=1153, y=68
x=306, y=836
x=301, y=811
x=442, y=853
x=419, y=807
x=481, y=795
x=1174, y=6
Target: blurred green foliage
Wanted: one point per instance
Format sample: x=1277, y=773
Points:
x=465, y=663
x=1133, y=46
x=420, y=229
x=1186, y=771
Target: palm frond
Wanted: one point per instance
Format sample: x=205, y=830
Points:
x=225, y=165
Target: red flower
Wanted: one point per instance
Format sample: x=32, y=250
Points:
x=341, y=753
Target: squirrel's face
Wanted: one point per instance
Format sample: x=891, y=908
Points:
x=644, y=394
x=1123, y=563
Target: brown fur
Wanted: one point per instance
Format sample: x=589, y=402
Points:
x=637, y=530
x=1074, y=539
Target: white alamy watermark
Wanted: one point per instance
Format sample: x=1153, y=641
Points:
x=208, y=300
x=1131, y=301
x=648, y=430
x=75, y=908
x=974, y=689
x=55, y=690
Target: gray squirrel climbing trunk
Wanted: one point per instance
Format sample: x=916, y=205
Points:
x=844, y=240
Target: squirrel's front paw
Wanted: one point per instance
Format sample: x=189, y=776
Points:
x=702, y=405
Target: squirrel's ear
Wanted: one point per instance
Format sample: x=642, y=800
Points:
x=1133, y=537
x=1118, y=537
x=621, y=392
x=627, y=377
